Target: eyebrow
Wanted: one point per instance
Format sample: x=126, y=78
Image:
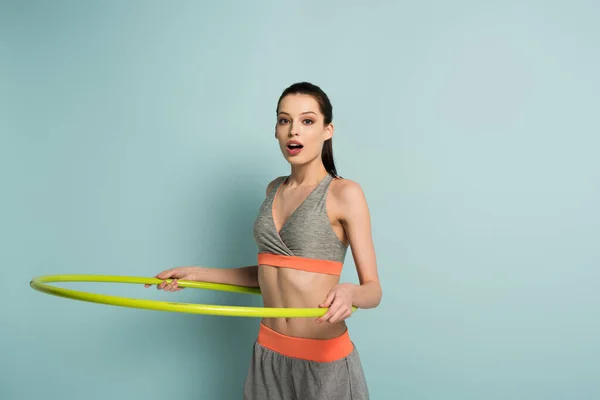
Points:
x=305, y=112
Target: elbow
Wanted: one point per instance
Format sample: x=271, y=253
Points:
x=379, y=295
x=376, y=294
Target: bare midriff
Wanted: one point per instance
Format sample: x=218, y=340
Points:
x=292, y=288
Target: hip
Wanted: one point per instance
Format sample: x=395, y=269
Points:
x=328, y=349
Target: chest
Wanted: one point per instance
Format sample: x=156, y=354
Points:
x=287, y=201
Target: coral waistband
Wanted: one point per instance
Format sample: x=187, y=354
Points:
x=301, y=263
x=320, y=350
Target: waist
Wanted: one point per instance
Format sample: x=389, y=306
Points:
x=289, y=288
x=320, y=350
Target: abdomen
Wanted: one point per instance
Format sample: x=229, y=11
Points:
x=291, y=288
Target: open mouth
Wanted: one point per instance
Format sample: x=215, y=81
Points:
x=294, y=147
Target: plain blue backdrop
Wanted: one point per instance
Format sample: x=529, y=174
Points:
x=138, y=136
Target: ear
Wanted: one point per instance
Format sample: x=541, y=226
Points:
x=329, y=129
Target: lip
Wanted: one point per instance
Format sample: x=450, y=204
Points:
x=293, y=152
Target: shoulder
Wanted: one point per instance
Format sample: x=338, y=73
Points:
x=273, y=184
x=348, y=193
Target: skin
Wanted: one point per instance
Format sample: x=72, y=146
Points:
x=299, y=118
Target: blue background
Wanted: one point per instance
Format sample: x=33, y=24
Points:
x=138, y=136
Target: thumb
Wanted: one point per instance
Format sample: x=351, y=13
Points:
x=328, y=300
x=166, y=274
x=163, y=275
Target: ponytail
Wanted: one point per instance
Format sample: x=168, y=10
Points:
x=327, y=158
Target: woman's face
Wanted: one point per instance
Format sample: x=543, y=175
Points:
x=300, y=128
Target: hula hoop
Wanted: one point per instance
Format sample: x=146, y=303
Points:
x=40, y=284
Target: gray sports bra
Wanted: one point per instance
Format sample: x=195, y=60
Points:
x=306, y=241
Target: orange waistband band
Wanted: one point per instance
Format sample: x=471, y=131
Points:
x=320, y=350
x=301, y=263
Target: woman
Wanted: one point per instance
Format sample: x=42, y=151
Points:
x=303, y=229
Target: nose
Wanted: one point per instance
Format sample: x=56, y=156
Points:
x=294, y=130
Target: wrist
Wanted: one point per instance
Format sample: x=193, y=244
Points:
x=196, y=273
x=355, y=290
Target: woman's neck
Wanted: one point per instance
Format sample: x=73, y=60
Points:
x=308, y=174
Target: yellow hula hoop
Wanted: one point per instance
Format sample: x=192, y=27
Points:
x=40, y=284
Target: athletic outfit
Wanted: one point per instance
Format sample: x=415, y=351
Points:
x=286, y=367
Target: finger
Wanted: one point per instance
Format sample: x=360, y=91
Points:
x=179, y=287
x=328, y=300
x=164, y=284
x=332, y=310
x=147, y=285
x=339, y=315
x=169, y=286
x=327, y=303
x=165, y=273
x=337, y=308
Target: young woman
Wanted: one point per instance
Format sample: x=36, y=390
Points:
x=303, y=229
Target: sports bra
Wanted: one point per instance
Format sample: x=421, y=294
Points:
x=306, y=240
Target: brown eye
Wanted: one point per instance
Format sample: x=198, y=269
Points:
x=283, y=120
x=308, y=121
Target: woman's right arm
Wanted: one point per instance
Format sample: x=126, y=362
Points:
x=242, y=276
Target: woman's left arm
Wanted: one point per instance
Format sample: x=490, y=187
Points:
x=357, y=224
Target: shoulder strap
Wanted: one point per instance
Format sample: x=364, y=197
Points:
x=324, y=186
x=277, y=183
